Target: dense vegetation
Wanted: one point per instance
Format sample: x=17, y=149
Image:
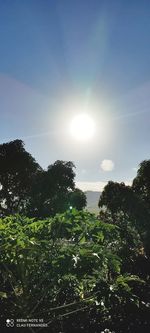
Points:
x=131, y=202
x=79, y=272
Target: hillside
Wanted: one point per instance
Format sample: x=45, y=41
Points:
x=92, y=201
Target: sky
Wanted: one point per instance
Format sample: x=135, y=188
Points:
x=63, y=58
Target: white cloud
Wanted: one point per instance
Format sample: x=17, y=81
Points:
x=91, y=186
x=107, y=165
x=97, y=186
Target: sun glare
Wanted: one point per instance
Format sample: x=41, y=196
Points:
x=82, y=127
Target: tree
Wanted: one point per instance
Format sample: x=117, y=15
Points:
x=17, y=172
x=141, y=187
x=118, y=199
x=115, y=196
x=141, y=183
x=60, y=180
x=50, y=191
x=28, y=189
x=77, y=199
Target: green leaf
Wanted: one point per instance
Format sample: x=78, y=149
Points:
x=3, y=294
x=82, y=240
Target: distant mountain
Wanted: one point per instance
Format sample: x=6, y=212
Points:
x=92, y=201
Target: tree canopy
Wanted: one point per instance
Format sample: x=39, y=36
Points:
x=77, y=199
x=132, y=201
x=28, y=189
x=17, y=172
x=50, y=191
x=141, y=183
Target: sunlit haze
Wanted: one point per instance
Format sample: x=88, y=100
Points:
x=82, y=127
x=75, y=84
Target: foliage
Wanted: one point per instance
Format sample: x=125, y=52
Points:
x=141, y=183
x=117, y=197
x=50, y=191
x=17, y=171
x=131, y=201
x=26, y=188
x=77, y=199
x=79, y=272
x=69, y=270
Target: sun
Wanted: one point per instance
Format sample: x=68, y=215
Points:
x=82, y=127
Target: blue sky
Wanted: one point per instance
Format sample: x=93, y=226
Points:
x=58, y=56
